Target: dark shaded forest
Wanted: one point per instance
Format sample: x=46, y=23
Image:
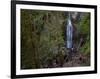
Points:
x=43, y=39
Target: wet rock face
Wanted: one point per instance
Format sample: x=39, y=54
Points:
x=74, y=15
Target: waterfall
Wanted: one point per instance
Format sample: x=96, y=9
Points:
x=69, y=33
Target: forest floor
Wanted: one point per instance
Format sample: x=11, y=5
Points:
x=78, y=59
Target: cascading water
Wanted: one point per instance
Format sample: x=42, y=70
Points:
x=69, y=33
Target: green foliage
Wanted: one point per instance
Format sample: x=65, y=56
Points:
x=84, y=24
x=43, y=37
x=85, y=48
x=85, y=32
